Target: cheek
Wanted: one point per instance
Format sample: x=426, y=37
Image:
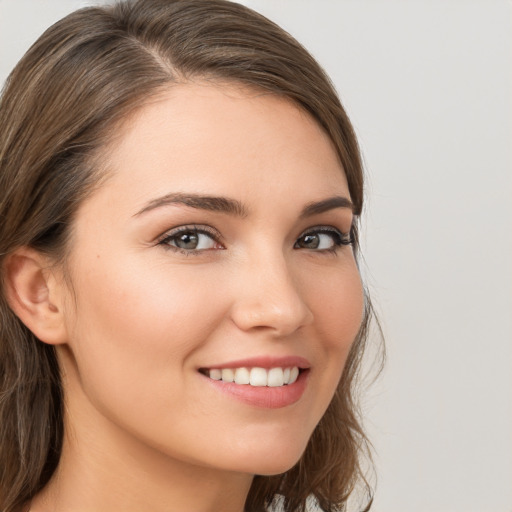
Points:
x=156, y=300
x=338, y=303
x=136, y=326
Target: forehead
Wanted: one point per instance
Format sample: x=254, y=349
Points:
x=221, y=139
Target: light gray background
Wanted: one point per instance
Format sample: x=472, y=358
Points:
x=428, y=86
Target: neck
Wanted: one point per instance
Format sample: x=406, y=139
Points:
x=103, y=468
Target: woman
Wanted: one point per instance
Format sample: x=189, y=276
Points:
x=182, y=312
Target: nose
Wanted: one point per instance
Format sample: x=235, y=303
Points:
x=269, y=297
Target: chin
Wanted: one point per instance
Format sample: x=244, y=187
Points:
x=271, y=461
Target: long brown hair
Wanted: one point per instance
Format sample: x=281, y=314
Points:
x=59, y=108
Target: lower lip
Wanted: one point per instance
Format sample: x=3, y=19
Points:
x=264, y=396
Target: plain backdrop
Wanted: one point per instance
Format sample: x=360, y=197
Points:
x=428, y=86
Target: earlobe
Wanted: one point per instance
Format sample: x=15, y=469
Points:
x=34, y=295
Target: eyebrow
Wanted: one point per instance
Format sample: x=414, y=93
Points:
x=325, y=205
x=210, y=203
x=235, y=207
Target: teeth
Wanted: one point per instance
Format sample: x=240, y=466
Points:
x=275, y=377
x=242, y=376
x=227, y=375
x=216, y=374
x=259, y=377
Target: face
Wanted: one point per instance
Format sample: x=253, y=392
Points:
x=217, y=249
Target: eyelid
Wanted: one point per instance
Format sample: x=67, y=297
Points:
x=327, y=229
x=345, y=238
x=197, y=228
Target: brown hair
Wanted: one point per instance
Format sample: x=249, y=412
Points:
x=58, y=110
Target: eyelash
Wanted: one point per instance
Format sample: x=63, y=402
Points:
x=339, y=238
x=197, y=230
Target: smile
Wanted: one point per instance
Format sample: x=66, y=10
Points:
x=257, y=377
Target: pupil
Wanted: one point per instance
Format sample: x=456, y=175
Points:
x=187, y=241
x=311, y=241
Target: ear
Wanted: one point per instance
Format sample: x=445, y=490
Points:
x=35, y=295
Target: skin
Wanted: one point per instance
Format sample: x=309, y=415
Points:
x=145, y=431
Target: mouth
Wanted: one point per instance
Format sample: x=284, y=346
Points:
x=255, y=376
x=267, y=382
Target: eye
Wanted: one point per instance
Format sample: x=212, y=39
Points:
x=191, y=239
x=323, y=239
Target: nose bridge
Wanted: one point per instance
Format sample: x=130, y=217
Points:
x=270, y=296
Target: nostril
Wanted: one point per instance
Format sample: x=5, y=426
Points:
x=281, y=315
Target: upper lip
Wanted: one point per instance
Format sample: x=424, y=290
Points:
x=265, y=362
